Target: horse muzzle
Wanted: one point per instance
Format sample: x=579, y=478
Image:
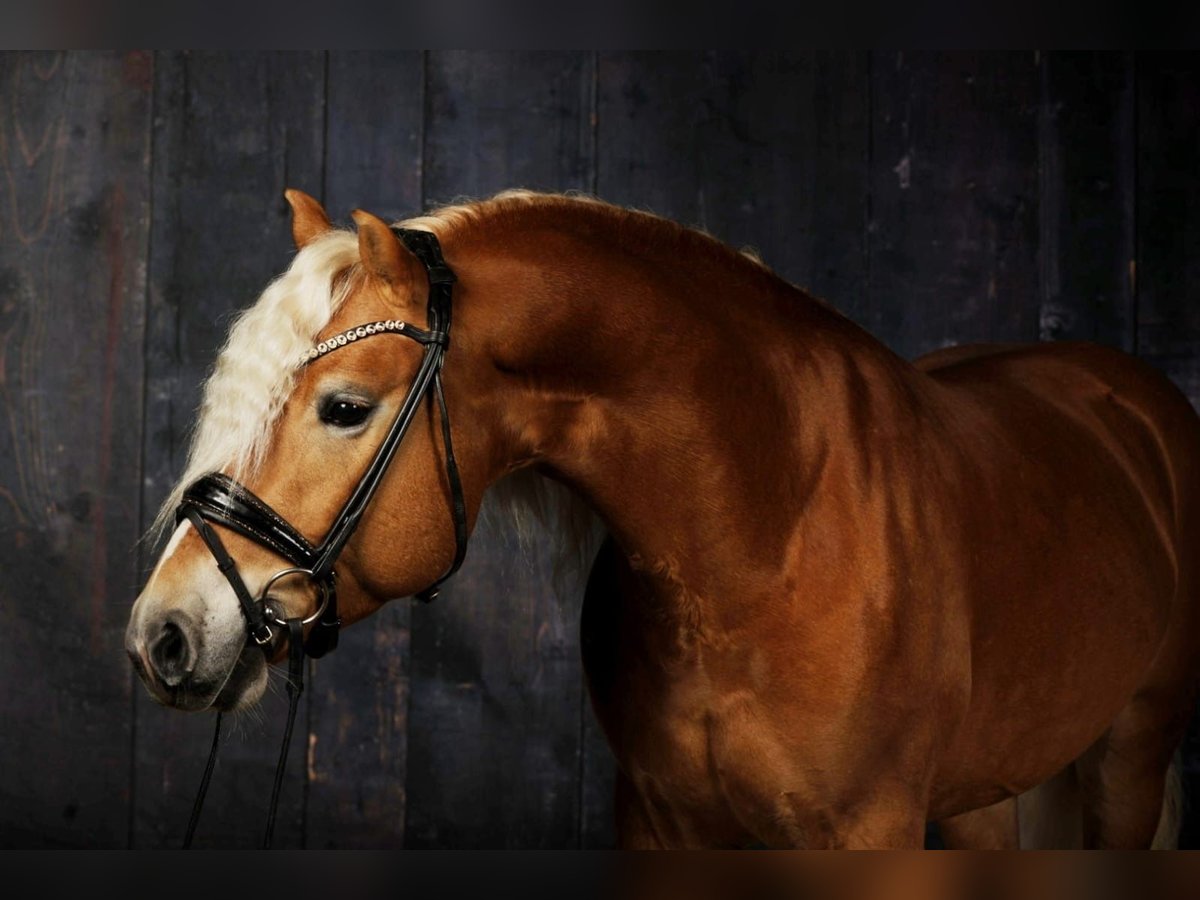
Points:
x=185, y=668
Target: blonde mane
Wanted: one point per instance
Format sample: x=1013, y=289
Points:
x=255, y=370
x=255, y=373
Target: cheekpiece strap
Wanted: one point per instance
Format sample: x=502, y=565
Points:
x=425, y=247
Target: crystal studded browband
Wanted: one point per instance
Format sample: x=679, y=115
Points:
x=349, y=335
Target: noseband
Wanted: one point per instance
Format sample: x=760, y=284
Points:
x=219, y=499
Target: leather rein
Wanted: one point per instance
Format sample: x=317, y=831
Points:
x=217, y=498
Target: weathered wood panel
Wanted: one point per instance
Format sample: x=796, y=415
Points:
x=934, y=198
x=763, y=150
x=1088, y=174
x=954, y=199
x=494, y=722
x=74, y=197
x=231, y=132
x=358, y=720
x=1168, y=226
x=1168, y=265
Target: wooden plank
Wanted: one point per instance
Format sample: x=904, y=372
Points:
x=507, y=119
x=359, y=695
x=231, y=132
x=763, y=150
x=496, y=693
x=1168, y=268
x=74, y=148
x=1087, y=149
x=954, y=199
x=375, y=129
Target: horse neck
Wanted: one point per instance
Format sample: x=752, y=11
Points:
x=686, y=393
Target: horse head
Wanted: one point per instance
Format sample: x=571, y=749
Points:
x=337, y=365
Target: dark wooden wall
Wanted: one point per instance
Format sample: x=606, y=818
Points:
x=935, y=198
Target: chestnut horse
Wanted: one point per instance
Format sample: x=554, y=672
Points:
x=842, y=594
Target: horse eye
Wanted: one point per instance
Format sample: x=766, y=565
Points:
x=344, y=413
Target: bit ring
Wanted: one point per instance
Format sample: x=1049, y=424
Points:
x=294, y=571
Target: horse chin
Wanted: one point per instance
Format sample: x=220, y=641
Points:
x=246, y=684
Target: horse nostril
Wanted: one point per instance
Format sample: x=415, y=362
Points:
x=170, y=654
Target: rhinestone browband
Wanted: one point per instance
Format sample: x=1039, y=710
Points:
x=350, y=335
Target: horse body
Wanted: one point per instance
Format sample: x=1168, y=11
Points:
x=1013, y=583
x=843, y=593
x=944, y=585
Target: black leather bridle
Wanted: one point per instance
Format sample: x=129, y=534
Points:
x=217, y=498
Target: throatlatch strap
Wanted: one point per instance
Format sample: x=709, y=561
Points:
x=456, y=491
x=458, y=503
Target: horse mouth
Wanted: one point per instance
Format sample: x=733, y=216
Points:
x=240, y=688
x=245, y=683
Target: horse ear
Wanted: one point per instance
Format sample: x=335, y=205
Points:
x=308, y=218
x=381, y=251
